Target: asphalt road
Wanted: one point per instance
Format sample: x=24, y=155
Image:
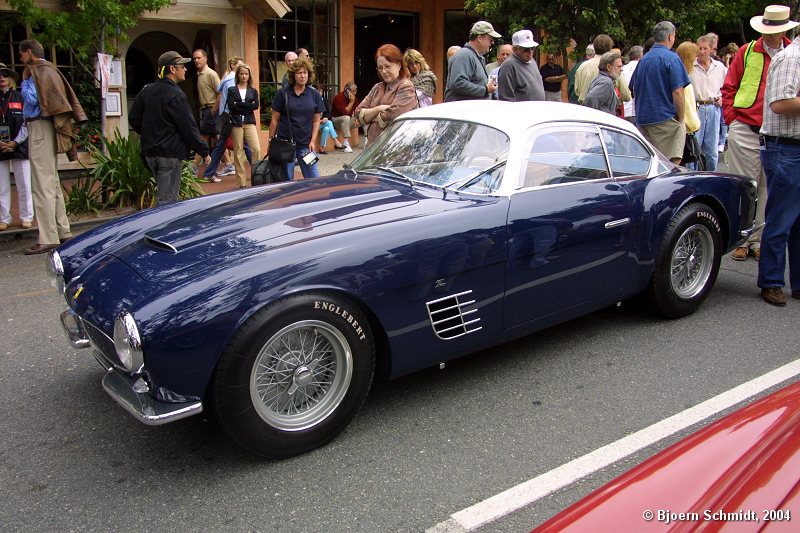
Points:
x=423, y=447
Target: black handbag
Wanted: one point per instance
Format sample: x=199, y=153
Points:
x=693, y=153
x=224, y=124
x=265, y=172
x=281, y=149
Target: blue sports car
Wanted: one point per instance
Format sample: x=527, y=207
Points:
x=463, y=226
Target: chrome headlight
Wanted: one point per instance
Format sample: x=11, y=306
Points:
x=55, y=271
x=128, y=343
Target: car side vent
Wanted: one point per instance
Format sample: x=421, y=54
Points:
x=451, y=316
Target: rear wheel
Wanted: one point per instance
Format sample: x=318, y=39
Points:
x=294, y=375
x=688, y=263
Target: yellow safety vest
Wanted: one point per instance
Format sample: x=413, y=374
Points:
x=751, y=78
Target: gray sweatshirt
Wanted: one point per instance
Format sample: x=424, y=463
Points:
x=519, y=81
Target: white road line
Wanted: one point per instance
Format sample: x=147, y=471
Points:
x=532, y=490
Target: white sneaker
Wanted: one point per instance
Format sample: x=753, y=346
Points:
x=227, y=170
x=195, y=170
x=347, y=149
x=213, y=179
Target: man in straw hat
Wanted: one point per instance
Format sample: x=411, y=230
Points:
x=781, y=141
x=743, y=107
x=467, y=78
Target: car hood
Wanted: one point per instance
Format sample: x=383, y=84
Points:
x=266, y=218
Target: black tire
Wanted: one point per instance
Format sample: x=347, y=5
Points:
x=688, y=262
x=294, y=375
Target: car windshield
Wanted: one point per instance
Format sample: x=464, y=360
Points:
x=443, y=153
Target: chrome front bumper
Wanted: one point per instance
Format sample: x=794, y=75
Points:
x=130, y=391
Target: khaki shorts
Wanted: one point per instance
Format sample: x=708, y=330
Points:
x=668, y=137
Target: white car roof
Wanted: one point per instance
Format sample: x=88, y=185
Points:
x=516, y=117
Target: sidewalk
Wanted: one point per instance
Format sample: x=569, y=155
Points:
x=329, y=163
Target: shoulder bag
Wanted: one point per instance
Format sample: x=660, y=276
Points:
x=282, y=150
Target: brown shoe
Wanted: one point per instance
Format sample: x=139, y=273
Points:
x=774, y=296
x=739, y=254
x=757, y=253
x=65, y=239
x=796, y=294
x=40, y=249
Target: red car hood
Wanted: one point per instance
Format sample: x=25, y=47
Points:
x=739, y=468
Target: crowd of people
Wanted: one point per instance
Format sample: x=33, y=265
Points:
x=685, y=99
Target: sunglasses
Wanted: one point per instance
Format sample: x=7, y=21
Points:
x=4, y=74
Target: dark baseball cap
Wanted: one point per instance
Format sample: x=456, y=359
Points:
x=171, y=58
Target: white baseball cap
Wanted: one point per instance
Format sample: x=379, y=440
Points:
x=523, y=38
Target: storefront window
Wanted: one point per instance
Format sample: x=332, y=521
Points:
x=313, y=25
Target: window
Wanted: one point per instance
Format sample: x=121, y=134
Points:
x=565, y=154
x=626, y=154
x=311, y=24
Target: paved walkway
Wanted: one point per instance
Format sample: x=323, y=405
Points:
x=329, y=163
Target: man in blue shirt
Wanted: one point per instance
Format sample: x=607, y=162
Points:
x=658, y=83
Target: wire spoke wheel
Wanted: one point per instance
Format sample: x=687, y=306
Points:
x=301, y=375
x=692, y=261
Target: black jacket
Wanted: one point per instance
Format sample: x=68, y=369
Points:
x=242, y=111
x=161, y=114
x=11, y=116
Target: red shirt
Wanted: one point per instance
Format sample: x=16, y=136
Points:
x=339, y=106
x=753, y=115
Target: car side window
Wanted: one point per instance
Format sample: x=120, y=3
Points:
x=565, y=154
x=627, y=156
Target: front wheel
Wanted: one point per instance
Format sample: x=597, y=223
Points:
x=688, y=262
x=294, y=375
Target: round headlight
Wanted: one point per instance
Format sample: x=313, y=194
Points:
x=128, y=343
x=55, y=271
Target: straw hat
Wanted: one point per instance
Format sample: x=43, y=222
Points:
x=775, y=20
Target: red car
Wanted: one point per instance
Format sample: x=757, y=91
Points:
x=741, y=473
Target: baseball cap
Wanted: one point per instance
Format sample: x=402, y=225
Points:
x=523, y=38
x=171, y=58
x=482, y=28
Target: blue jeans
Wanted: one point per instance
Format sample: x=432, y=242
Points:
x=708, y=134
x=308, y=171
x=216, y=155
x=782, y=217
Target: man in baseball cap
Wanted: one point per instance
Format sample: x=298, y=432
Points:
x=467, y=78
x=162, y=116
x=519, y=78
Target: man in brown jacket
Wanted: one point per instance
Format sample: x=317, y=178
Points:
x=49, y=106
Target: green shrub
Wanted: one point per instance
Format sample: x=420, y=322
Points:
x=125, y=180
x=84, y=197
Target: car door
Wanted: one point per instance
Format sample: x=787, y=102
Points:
x=569, y=227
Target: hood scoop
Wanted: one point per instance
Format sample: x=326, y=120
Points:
x=160, y=245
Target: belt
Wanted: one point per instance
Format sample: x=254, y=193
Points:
x=206, y=106
x=34, y=119
x=706, y=102
x=782, y=140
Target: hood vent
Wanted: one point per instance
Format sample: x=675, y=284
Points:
x=450, y=316
x=161, y=245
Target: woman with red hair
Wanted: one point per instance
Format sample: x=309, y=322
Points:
x=389, y=98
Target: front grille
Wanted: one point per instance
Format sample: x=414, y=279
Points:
x=102, y=343
x=450, y=316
